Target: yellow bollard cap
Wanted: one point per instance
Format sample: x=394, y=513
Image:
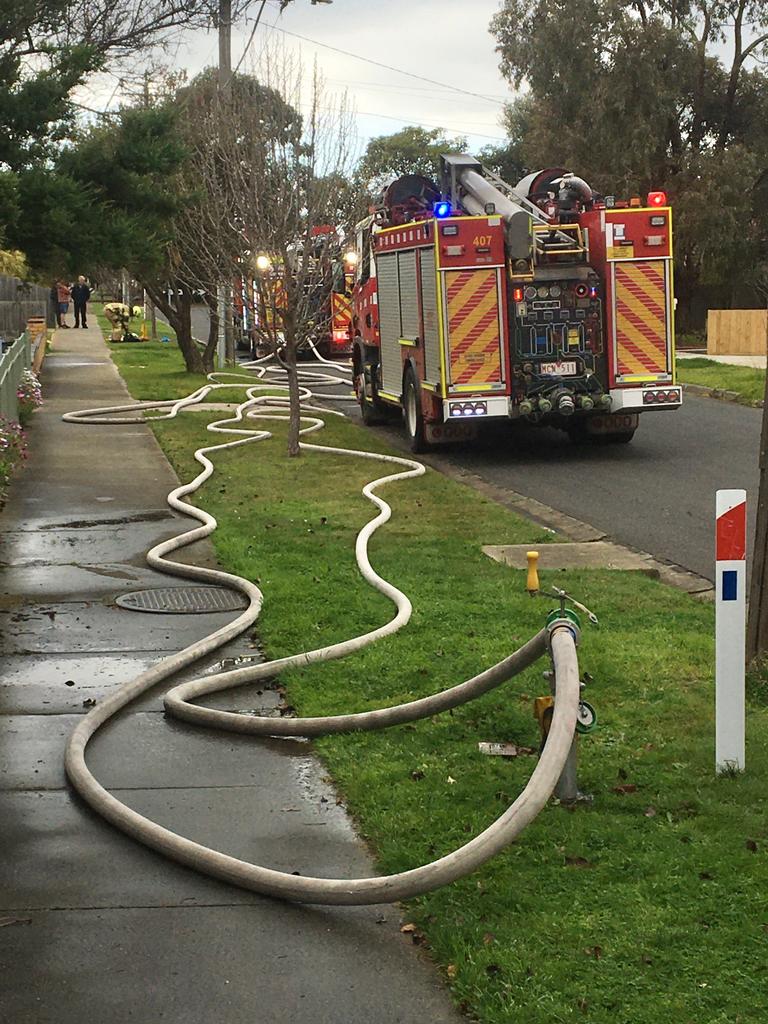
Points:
x=532, y=583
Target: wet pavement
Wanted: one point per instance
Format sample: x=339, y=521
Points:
x=94, y=927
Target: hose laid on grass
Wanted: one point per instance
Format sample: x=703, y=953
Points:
x=560, y=638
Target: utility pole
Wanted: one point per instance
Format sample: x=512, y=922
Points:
x=225, y=348
x=225, y=42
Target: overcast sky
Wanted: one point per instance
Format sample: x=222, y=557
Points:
x=444, y=40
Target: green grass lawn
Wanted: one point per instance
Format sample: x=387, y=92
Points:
x=748, y=383
x=648, y=907
x=155, y=369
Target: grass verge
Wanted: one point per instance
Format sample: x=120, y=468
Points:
x=155, y=369
x=746, y=382
x=648, y=907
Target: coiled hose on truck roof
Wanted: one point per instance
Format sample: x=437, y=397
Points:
x=560, y=639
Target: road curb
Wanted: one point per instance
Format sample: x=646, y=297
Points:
x=561, y=523
x=574, y=530
x=721, y=395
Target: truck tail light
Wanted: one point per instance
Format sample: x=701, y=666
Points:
x=517, y=294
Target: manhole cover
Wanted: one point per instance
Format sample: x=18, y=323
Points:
x=183, y=600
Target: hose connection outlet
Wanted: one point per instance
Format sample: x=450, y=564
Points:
x=606, y=402
x=545, y=405
x=586, y=402
x=566, y=619
x=566, y=404
x=526, y=407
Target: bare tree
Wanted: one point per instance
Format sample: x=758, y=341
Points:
x=275, y=183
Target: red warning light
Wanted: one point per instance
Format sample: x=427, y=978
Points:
x=517, y=294
x=657, y=198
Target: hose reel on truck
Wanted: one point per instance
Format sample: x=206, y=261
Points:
x=558, y=639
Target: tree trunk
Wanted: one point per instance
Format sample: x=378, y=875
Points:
x=294, y=421
x=757, y=627
x=212, y=344
x=179, y=316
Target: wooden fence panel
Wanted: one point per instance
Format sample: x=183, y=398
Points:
x=737, y=332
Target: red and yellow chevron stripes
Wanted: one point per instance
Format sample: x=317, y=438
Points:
x=641, y=318
x=473, y=327
x=341, y=310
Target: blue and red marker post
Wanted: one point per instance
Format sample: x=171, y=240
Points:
x=730, y=628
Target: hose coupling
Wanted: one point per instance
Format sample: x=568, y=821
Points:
x=566, y=619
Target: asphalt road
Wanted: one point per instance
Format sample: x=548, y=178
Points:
x=656, y=493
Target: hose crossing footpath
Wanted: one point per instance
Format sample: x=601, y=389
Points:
x=559, y=639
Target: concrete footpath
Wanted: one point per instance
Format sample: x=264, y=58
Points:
x=93, y=927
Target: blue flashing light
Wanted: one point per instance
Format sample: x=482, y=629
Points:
x=442, y=209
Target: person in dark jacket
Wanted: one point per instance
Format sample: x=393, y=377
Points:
x=81, y=293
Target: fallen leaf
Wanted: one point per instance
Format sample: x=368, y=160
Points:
x=629, y=787
x=450, y=781
x=418, y=775
x=650, y=812
x=488, y=938
x=408, y=929
x=751, y=845
x=595, y=951
x=6, y=922
x=705, y=876
x=492, y=969
x=451, y=971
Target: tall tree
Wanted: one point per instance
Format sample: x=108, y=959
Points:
x=636, y=96
x=412, y=150
x=278, y=178
x=49, y=47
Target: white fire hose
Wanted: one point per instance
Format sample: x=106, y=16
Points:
x=560, y=639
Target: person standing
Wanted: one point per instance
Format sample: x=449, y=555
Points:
x=62, y=302
x=81, y=293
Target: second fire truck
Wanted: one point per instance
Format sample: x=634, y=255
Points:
x=545, y=302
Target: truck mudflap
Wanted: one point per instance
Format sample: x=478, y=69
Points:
x=445, y=433
x=611, y=423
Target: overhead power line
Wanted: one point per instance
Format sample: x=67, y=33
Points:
x=387, y=67
x=430, y=124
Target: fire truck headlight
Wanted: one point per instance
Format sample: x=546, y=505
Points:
x=351, y=258
x=263, y=263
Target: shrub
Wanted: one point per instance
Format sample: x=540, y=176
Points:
x=13, y=448
x=30, y=396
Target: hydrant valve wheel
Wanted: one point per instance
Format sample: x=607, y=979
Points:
x=586, y=718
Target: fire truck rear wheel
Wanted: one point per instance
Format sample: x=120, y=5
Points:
x=412, y=414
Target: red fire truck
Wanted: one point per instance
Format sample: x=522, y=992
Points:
x=257, y=302
x=545, y=302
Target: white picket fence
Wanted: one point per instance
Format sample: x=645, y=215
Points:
x=14, y=360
